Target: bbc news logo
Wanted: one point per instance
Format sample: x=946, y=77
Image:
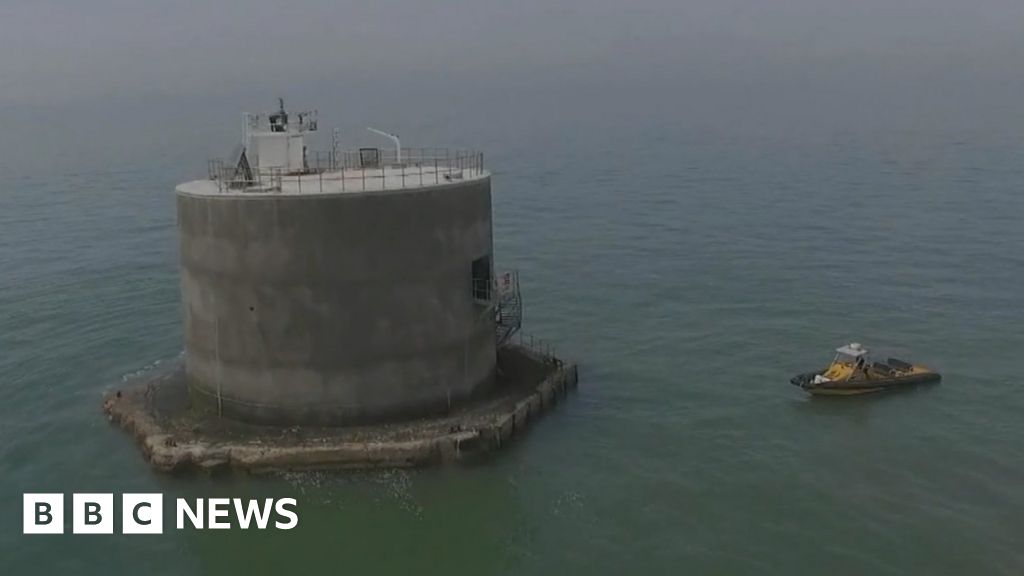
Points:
x=144, y=513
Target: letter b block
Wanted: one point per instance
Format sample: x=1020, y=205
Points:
x=42, y=514
x=92, y=514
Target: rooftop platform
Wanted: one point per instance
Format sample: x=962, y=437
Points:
x=367, y=170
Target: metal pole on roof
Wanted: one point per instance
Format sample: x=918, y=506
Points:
x=334, y=149
x=398, y=143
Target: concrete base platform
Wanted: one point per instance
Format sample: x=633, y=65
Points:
x=174, y=436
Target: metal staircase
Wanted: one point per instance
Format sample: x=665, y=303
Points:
x=508, y=309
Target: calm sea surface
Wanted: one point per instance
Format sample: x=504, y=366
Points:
x=691, y=271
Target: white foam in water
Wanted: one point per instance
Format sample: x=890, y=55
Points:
x=148, y=368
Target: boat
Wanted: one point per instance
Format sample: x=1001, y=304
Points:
x=852, y=372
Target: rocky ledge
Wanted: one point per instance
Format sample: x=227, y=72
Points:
x=175, y=437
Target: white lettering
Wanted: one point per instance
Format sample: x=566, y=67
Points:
x=195, y=517
x=282, y=510
x=253, y=510
x=218, y=509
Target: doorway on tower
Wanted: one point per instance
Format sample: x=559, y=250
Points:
x=482, y=279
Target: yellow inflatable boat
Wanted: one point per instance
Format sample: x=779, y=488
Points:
x=851, y=372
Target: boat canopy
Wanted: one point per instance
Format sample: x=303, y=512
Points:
x=853, y=349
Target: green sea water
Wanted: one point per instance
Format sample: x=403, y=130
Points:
x=690, y=270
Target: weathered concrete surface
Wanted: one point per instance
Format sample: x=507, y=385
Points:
x=175, y=437
x=336, y=309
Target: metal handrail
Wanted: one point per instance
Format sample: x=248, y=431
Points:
x=418, y=167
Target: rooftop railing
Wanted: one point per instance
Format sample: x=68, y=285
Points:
x=366, y=169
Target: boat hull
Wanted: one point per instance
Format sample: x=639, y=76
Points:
x=853, y=387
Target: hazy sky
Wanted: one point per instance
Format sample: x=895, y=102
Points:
x=73, y=50
x=141, y=69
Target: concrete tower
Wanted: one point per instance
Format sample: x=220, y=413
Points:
x=336, y=288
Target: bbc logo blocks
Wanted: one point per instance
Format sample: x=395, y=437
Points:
x=43, y=514
x=92, y=514
x=142, y=513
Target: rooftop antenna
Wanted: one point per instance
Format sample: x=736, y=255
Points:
x=398, y=143
x=279, y=119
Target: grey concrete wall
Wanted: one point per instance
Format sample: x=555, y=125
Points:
x=339, y=308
